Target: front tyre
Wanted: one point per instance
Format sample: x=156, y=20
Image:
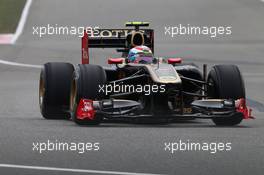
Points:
x=226, y=82
x=54, y=90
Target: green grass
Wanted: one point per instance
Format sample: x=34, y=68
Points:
x=10, y=12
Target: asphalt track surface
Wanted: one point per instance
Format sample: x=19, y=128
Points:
x=127, y=147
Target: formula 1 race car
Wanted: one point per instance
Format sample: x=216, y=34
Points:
x=156, y=90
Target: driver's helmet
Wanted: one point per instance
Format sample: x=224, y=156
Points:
x=140, y=54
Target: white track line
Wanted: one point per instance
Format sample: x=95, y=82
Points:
x=20, y=64
x=70, y=170
x=22, y=21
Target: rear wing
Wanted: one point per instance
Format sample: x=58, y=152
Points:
x=121, y=39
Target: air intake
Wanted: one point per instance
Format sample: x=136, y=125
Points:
x=137, y=39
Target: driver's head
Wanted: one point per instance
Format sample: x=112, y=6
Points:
x=140, y=54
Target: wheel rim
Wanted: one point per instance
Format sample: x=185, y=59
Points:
x=41, y=91
x=211, y=88
x=73, y=95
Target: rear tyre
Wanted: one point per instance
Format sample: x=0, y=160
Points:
x=226, y=83
x=85, y=84
x=54, y=90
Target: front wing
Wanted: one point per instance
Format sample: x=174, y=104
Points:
x=116, y=110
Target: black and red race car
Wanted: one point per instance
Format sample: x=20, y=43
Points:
x=163, y=90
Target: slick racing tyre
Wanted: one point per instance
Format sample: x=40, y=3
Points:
x=54, y=90
x=85, y=85
x=226, y=82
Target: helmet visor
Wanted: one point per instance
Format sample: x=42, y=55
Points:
x=144, y=60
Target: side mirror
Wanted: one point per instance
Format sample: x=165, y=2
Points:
x=116, y=60
x=174, y=60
